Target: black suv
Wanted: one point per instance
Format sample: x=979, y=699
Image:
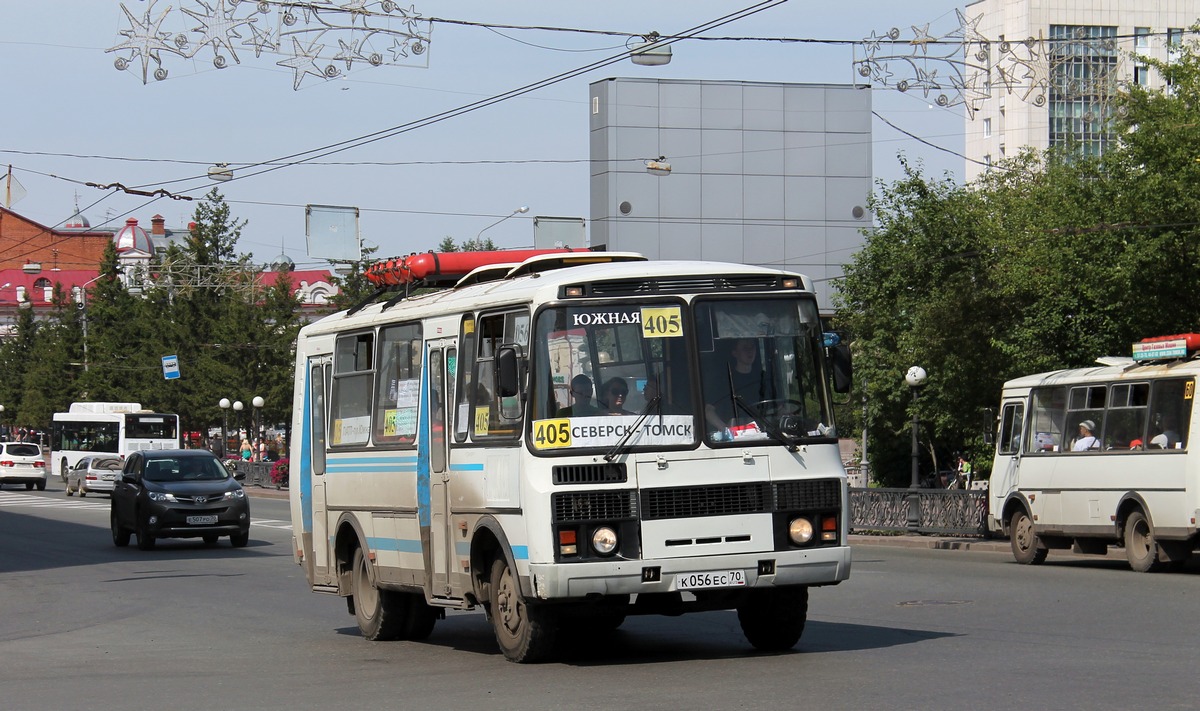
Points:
x=178, y=493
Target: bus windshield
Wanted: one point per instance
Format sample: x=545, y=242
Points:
x=607, y=373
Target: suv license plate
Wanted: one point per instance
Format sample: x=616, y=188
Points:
x=201, y=520
x=718, y=579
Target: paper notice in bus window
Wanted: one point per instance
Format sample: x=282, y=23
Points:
x=351, y=430
x=406, y=392
x=661, y=322
x=400, y=422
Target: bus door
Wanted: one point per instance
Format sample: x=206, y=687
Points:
x=312, y=468
x=1005, y=470
x=442, y=361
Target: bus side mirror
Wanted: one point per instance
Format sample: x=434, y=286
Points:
x=508, y=372
x=990, y=423
x=839, y=362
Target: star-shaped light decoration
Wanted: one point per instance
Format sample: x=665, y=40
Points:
x=921, y=39
x=303, y=62
x=144, y=39
x=217, y=26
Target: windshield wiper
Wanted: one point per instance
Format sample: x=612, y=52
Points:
x=766, y=425
x=619, y=447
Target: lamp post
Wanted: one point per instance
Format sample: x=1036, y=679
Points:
x=224, y=405
x=2, y=430
x=237, y=418
x=258, y=402
x=519, y=211
x=83, y=315
x=915, y=377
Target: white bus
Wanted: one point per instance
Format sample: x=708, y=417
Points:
x=440, y=460
x=1095, y=457
x=108, y=428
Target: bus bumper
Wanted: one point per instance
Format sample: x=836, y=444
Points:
x=817, y=566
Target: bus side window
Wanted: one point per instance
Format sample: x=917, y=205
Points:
x=1009, y=441
x=1171, y=414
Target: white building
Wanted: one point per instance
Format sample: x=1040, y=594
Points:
x=1050, y=68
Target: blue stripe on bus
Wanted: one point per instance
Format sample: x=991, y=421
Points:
x=399, y=545
x=305, y=468
x=352, y=469
x=520, y=552
x=466, y=467
x=424, y=497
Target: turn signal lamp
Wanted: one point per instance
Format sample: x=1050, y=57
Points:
x=829, y=529
x=567, y=544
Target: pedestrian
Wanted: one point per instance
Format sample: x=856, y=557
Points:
x=247, y=452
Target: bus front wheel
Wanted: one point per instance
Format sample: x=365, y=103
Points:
x=1025, y=548
x=1140, y=547
x=773, y=618
x=524, y=632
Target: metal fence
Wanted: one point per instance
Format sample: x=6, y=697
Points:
x=256, y=473
x=946, y=511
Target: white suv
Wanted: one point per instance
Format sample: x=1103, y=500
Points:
x=22, y=463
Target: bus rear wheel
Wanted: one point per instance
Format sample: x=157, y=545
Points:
x=773, y=618
x=1024, y=541
x=378, y=612
x=1140, y=547
x=524, y=632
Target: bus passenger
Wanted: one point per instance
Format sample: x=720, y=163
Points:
x=581, y=395
x=1168, y=438
x=1086, y=440
x=615, y=392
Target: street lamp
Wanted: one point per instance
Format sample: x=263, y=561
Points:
x=83, y=314
x=2, y=421
x=258, y=402
x=915, y=377
x=519, y=211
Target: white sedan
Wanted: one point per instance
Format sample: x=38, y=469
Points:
x=93, y=474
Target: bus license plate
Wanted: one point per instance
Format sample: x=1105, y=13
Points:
x=716, y=579
x=201, y=520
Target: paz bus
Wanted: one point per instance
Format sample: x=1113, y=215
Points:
x=1096, y=457
x=532, y=440
x=117, y=428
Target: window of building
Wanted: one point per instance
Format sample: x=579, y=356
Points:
x=987, y=128
x=1141, y=37
x=1140, y=74
x=1083, y=80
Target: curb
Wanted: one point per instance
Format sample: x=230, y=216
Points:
x=932, y=543
x=266, y=493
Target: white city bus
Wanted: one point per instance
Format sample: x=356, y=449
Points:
x=108, y=428
x=440, y=462
x=1096, y=457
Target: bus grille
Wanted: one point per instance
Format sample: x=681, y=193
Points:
x=693, y=501
x=808, y=495
x=734, y=499
x=606, y=473
x=576, y=506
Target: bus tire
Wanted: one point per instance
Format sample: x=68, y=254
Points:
x=524, y=632
x=419, y=618
x=1140, y=547
x=1024, y=541
x=380, y=613
x=773, y=618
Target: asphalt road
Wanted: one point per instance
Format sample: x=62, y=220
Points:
x=86, y=625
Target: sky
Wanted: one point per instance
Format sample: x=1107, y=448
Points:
x=73, y=118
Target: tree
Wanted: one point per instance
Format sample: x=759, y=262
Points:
x=1047, y=262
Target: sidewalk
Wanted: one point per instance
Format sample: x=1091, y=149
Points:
x=952, y=543
x=269, y=493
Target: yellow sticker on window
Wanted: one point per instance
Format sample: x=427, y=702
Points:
x=482, y=415
x=661, y=322
x=551, y=434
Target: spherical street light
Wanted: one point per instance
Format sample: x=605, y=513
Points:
x=224, y=405
x=258, y=402
x=915, y=377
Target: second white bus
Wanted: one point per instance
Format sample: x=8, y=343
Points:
x=1097, y=457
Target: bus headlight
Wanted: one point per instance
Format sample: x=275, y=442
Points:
x=800, y=530
x=604, y=540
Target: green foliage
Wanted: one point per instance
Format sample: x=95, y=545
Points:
x=1049, y=261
